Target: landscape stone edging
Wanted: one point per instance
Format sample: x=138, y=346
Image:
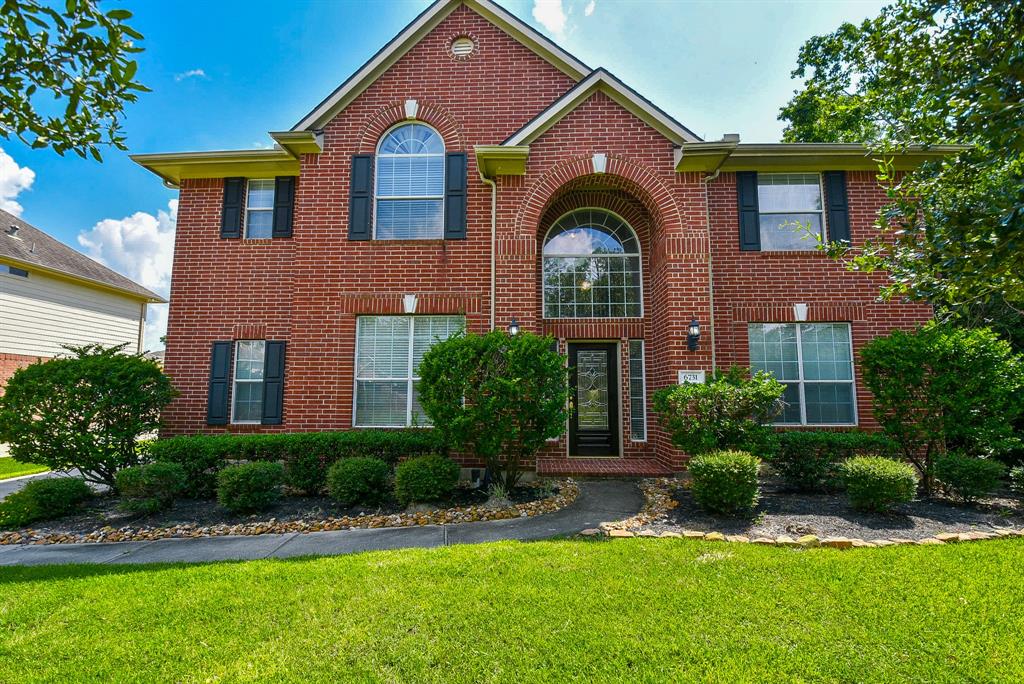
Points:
x=568, y=492
x=658, y=501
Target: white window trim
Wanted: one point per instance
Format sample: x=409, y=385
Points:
x=801, y=382
x=376, y=167
x=643, y=386
x=821, y=212
x=269, y=209
x=235, y=381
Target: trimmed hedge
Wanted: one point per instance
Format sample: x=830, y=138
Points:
x=968, y=478
x=425, y=478
x=150, y=488
x=876, y=484
x=358, y=480
x=306, y=456
x=809, y=460
x=43, y=499
x=725, y=482
x=249, y=487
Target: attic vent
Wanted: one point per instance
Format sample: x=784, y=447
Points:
x=13, y=230
x=463, y=47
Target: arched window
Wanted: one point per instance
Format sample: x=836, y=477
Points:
x=591, y=267
x=410, y=184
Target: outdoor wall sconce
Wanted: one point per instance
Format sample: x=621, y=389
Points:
x=513, y=327
x=693, y=336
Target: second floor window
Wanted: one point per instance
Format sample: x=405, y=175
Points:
x=410, y=184
x=789, y=204
x=259, y=209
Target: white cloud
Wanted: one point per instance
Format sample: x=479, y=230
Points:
x=141, y=247
x=551, y=15
x=589, y=9
x=14, y=180
x=191, y=73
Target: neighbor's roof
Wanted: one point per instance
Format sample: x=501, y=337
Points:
x=31, y=248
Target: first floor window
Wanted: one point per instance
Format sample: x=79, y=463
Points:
x=637, y=392
x=788, y=205
x=247, y=406
x=389, y=350
x=259, y=209
x=815, y=363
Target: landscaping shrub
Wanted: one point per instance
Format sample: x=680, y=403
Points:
x=43, y=500
x=358, y=480
x=876, y=484
x=732, y=410
x=150, y=488
x=725, y=481
x=809, y=460
x=250, y=486
x=425, y=478
x=968, y=478
x=85, y=411
x=1017, y=479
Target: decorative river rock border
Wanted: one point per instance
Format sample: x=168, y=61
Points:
x=568, y=491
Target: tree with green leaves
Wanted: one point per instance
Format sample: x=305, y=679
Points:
x=66, y=74
x=926, y=72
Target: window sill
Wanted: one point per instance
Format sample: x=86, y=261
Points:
x=409, y=241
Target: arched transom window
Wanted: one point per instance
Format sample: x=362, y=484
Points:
x=410, y=184
x=591, y=267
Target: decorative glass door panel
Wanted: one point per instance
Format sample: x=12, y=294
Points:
x=594, y=375
x=592, y=389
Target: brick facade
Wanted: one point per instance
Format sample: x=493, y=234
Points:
x=12, y=362
x=309, y=289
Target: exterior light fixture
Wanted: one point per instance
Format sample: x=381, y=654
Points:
x=586, y=285
x=513, y=327
x=693, y=335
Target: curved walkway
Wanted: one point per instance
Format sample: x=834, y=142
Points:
x=599, y=501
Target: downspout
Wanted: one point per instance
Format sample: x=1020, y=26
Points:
x=142, y=327
x=711, y=267
x=494, y=238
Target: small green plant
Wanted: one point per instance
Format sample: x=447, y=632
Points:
x=968, y=478
x=306, y=473
x=425, y=478
x=725, y=482
x=43, y=500
x=498, y=495
x=877, y=484
x=358, y=480
x=808, y=461
x=249, y=487
x=1017, y=480
x=150, y=488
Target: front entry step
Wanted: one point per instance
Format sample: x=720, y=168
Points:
x=611, y=467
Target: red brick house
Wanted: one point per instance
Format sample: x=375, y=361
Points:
x=473, y=173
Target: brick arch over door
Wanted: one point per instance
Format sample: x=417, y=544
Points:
x=428, y=113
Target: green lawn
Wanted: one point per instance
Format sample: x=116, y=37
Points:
x=589, y=611
x=11, y=468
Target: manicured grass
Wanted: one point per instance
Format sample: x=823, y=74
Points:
x=11, y=468
x=625, y=610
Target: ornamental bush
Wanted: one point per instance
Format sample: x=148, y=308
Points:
x=249, y=487
x=877, y=484
x=732, y=410
x=43, y=499
x=425, y=478
x=150, y=488
x=358, y=480
x=809, y=460
x=968, y=478
x=1017, y=479
x=725, y=481
x=84, y=411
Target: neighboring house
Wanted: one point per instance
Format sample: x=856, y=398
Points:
x=473, y=173
x=51, y=295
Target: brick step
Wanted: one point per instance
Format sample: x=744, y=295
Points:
x=608, y=467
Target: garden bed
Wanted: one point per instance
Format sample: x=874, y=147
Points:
x=103, y=521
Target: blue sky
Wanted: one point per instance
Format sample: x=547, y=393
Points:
x=225, y=73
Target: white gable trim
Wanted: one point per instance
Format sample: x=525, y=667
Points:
x=414, y=32
x=629, y=99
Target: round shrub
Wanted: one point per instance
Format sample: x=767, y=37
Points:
x=876, y=484
x=250, y=486
x=357, y=480
x=725, y=481
x=968, y=478
x=305, y=473
x=43, y=500
x=425, y=478
x=150, y=488
x=808, y=461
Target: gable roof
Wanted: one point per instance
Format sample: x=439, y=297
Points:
x=419, y=27
x=34, y=248
x=601, y=80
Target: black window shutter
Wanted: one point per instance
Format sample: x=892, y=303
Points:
x=837, y=206
x=284, y=206
x=273, y=383
x=750, y=222
x=455, y=196
x=360, y=197
x=220, y=382
x=231, y=212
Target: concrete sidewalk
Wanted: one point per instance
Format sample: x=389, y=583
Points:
x=599, y=500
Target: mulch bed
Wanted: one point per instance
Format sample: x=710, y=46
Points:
x=783, y=512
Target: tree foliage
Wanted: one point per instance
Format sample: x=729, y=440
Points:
x=928, y=72
x=66, y=75
x=498, y=396
x=86, y=411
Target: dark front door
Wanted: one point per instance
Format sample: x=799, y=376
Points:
x=593, y=376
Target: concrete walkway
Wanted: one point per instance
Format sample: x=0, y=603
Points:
x=599, y=500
